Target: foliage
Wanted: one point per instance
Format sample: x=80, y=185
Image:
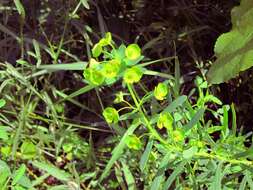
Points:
x=234, y=49
x=61, y=129
x=194, y=155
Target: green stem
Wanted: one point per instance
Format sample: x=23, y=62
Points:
x=153, y=132
x=156, y=61
x=173, y=148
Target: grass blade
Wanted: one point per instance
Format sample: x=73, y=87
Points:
x=177, y=77
x=79, y=92
x=75, y=66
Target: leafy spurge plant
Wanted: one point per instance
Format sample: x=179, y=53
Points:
x=168, y=125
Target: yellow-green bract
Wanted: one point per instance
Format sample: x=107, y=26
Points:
x=161, y=91
x=165, y=120
x=111, y=68
x=133, y=142
x=111, y=115
x=93, y=76
x=133, y=75
x=133, y=51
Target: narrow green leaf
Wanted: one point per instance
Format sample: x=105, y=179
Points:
x=177, y=77
x=20, y=8
x=85, y=4
x=82, y=90
x=249, y=179
x=195, y=119
x=177, y=171
x=75, y=66
x=118, y=150
x=225, y=131
x=189, y=153
x=156, y=183
x=145, y=155
x=3, y=133
x=234, y=126
x=40, y=179
x=243, y=183
x=52, y=170
x=216, y=184
x=59, y=187
x=37, y=52
x=128, y=177
x=171, y=107
x=176, y=103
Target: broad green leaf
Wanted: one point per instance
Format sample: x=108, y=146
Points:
x=5, y=172
x=234, y=49
x=145, y=155
x=2, y=103
x=52, y=170
x=28, y=150
x=18, y=174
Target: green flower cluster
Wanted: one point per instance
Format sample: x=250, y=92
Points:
x=117, y=63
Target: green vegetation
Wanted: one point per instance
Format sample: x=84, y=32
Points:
x=234, y=49
x=111, y=120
